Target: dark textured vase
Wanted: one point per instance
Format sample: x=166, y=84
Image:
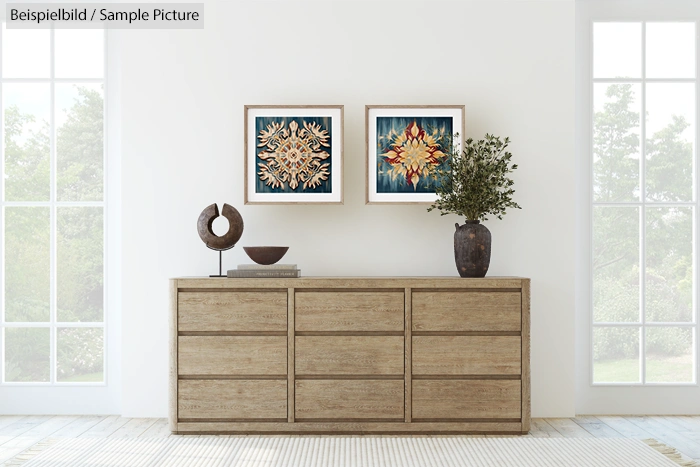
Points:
x=472, y=249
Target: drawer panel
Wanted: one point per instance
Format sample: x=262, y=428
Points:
x=349, y=399
x=466, y=311
x=219, y=399
x=451, y=399
x=466, y=355
x=349, y=355
x=349, y=311
x=232, y=355
x=232, y=311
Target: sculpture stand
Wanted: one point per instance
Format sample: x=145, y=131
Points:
x=221, y=274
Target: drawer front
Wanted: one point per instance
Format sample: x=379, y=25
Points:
x=349, y=355
x=349, y=311
x=466, y=355
x=466, y=311
x=232, y=311
x=348, y=399
x=218, y=399
x=452, y=399
x=232, y=355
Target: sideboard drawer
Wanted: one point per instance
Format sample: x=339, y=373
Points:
x=455, y=399
x=466, y=311
x=229, y=399
x=349, y=355
x=349, y=399
x=466, y=355
x=232, y=355
x=349, y=311
x=232, y=311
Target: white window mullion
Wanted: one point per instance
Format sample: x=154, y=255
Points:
x=52, y=217
x=643, y=212
x=591, y=201
x=105, y=216
x=2, y=221
x=696, y=217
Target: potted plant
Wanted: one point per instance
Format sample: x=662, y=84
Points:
x=474, y=185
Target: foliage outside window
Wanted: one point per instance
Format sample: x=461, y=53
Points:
x=644, y=205
x=53, y=206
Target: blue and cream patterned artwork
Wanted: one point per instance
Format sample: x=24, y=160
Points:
x=410, y=151
x=293, y=154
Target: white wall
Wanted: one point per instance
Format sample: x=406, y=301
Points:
x=510, y=63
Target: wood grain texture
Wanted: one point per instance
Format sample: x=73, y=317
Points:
x=466, y=399
x=350, y=355
x=347, y=355
x=420, y=428
x=408, y=353
x=173, y=357
x=525, y=372
x=213, y=399
x=349, y=399
x=232, y=355
x=466, y=311
x=291, y=316
x=351, y=283
x=466, y=355
x=232, y=311
x=349, y=311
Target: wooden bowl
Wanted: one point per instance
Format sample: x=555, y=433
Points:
x=266, y=254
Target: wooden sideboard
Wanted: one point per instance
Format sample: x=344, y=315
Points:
x=350, y=355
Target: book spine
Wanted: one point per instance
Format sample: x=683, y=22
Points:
x=257, y=273
x=265, y=267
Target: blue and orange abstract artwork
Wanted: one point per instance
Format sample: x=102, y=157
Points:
x=293, y=155
x=410, y=152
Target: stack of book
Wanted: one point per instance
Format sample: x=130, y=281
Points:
x=261, y=270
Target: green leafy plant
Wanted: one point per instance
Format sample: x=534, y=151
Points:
x=476, y=183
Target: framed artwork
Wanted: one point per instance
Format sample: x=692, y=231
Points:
x=293, y=154
x=405, y=146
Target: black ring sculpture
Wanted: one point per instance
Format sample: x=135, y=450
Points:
x=226, y=241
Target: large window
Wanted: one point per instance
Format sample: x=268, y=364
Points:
x=52, y=184
x=644, y=203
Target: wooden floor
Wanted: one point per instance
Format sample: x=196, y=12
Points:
x=18, y=433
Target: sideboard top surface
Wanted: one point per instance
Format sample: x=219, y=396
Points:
x=352, y=282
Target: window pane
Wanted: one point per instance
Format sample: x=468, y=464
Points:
x=27, y=264
x=79, y=53
x=26, y=53
x=79, y=142
x=616, y=148
x=670, y=50
x=615, y=264
x=79, y=245
x=80, y=355
x=670, y=140
x=615, y=355
x=27, y=354
x=617, y=50
x=669, y=264
x=669, y=355
x=26, y=141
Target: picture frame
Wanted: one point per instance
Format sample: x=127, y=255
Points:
x=389, y=130
x=293, y=154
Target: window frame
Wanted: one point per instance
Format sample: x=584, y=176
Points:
x=53, y=204
x=642, y=204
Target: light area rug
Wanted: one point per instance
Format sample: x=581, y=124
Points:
x=360, y=451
